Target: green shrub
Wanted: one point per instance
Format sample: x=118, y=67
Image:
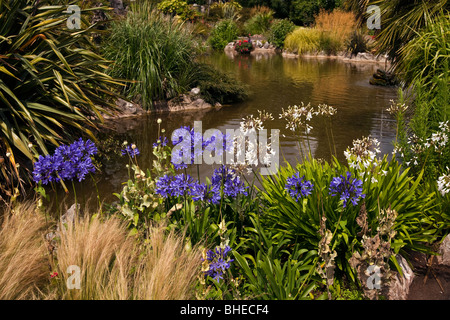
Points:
x=218, y=86
x=259, y=23
x=177, y=7
x=223, y=33
x=279, y=31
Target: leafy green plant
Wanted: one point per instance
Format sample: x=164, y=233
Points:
x=218, y=86
x=279, y=31
x=387, y=187
x=270, y=270
x=177, y=7
x=53, y=83
x=356, y=43
x=223, y=33
x=259, y=23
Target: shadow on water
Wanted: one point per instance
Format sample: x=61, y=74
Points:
x=275, y=83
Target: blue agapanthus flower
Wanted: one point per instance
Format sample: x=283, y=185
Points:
x=208, y=193
x=162, y=141
x=130, y=150
x=230, y=181
x=298, y=187
x=347, y=188
x=218, y=262
x=68, y=162
x=197, y=146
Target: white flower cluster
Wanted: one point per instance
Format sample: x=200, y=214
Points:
x=297, y=117
x=396, y=108
x=439, y=139
x=363, y=154
x=249, y=127
x=443, y=183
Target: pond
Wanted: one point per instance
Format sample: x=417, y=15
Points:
x=275, y=82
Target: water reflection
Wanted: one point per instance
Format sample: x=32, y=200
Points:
x=275, y=83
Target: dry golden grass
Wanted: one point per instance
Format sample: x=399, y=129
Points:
x=104, y=254
x=115, y=266
x=338, y=23
x=23, y=253
x=167, y=270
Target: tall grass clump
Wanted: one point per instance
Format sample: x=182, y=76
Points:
x=104, y=255
x=338, y=24
x=117, y=266
x=303, y=40
x=155, y=51
x=168, y=270
x=23, y=254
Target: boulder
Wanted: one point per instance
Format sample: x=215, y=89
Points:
x=187, y=102
x=399, y=284
x=444, y=252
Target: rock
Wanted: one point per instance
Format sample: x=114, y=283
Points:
x=127, y=108
x=187, y=102
x=118, y=6
x=383, y=78
x=229, y=46
x=444, y=252
x=266, y=45
x=195, y=91
x=398, y=288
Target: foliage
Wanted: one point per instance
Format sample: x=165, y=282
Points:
x=53, y=84
x=279, y=31
x=218, y=86
x=223, y=33
x=260, y=21
x=426, y=57
x=356, y=43
x=155, y=51
x=384, y=186
x=177, y=7
x=401, y=20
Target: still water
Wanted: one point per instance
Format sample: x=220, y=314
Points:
x=275, y=83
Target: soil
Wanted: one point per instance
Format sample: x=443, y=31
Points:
x=432, y=281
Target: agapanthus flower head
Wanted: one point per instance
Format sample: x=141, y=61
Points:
x=218, y=262
x=162, y=141
x=68, y=162
x=347, y=188
x=298, y=187
x=130, y=150
x=363, y=153
x=198, y=145
x=208, y=193
x=230, y=181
